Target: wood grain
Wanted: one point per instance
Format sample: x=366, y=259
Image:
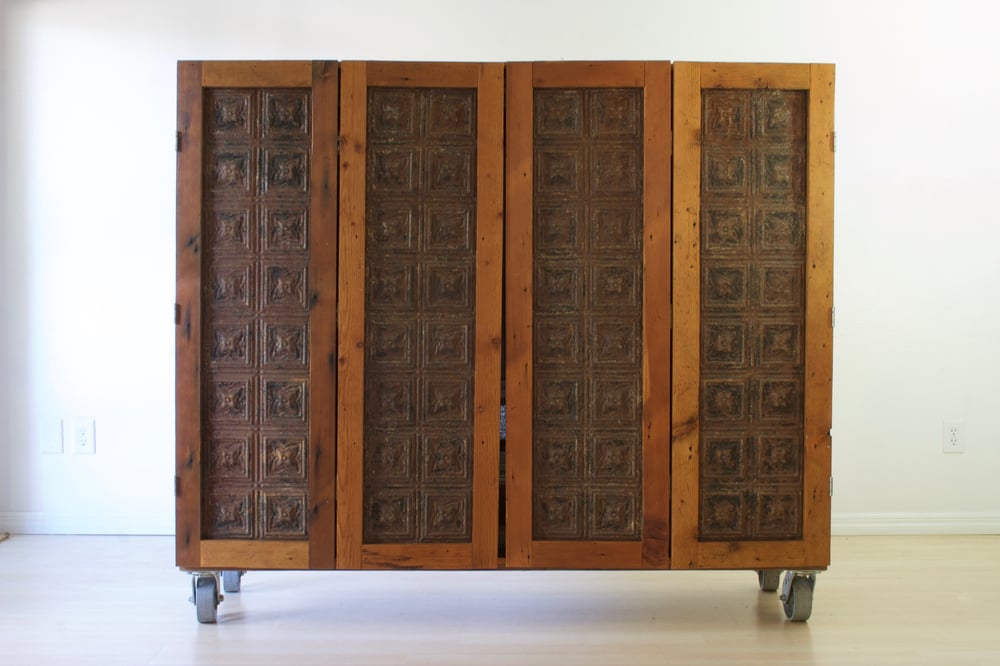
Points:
x=819, y=307
x=417, y=556
x=587, y=554
x=424, y=74
x=257, y=74
x=752, y=75
x=188, y=328
x=351, y=316
x=489, y=305
x=323, y=316
x=519, y=295
x=656, y=318
x=611, y=74
x=248, y=555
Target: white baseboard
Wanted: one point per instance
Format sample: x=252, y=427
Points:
x=851, y=524
x=26, y=522
x=842, y=524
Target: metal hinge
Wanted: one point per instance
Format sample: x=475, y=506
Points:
x=831, y=486
x=833, y=141
x=177, y=486
x=833, y=317
x=178, y=141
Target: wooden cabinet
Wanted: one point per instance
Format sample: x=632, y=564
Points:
x=640, y=252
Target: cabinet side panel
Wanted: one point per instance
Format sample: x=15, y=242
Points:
x=188, y=324
x=819, y=304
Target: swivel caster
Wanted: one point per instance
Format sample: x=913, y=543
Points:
x=231, y=581
x=768, y=579
x=205, y=596
x=797, y=595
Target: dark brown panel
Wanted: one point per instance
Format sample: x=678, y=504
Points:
x=420, y=295
x=752, y=314
x=587, y=314
x=256, y=198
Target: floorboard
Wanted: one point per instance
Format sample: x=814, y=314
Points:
x=120, y=600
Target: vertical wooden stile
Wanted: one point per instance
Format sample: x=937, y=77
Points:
x=188, y=326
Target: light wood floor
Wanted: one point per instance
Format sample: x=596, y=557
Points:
x=120, y=600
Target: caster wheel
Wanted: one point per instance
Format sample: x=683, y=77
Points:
x=798, y=600
x=206, y=598
x=768, y=579
x=231, y=581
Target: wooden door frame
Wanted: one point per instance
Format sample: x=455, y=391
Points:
x=192, y=551
x=523, y=550
x=812, y=551
x=481, y=552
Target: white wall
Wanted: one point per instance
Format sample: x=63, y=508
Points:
x=88, y=246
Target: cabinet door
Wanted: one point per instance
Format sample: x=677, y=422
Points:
x=752, y=336
x=256, y=215
x=588, y=314
x=419, y=315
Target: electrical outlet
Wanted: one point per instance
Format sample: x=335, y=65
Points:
x=953, y=437
x=82, y=436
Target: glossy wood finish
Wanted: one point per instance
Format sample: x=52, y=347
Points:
x=812, y=550
x=487, y=81
x=524, y=549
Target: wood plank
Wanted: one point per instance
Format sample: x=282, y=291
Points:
x=423, y=74
x=587, y=554
x=323, y=316
x=686, y=313
x=819, y=305
x=519, y=290
x=489, y=305
x=188, y=330
x=257, y=74
x=351, y=317
x=656, y=318
x=254, y=554
x=621, y=74
x=754, y=555
x=417, y=556
x=755, y=75
x=882, y=603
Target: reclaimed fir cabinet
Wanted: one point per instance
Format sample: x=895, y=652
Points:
x=630, y=263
